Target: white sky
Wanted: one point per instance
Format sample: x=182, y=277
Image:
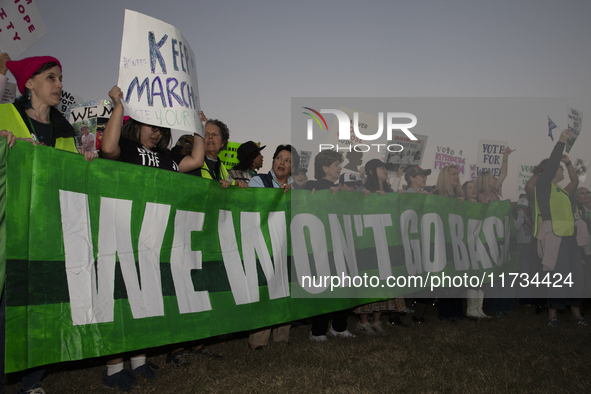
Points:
x=254, y=56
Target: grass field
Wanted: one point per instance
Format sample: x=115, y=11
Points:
x=516, y=354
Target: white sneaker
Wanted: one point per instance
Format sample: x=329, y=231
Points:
x=365, y=328
x=377, y=327
x=318, y=338
x=37, y=390
x=344, y=334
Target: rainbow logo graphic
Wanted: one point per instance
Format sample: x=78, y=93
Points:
x=316, y=119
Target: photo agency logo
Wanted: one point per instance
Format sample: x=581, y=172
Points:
x=349, y=130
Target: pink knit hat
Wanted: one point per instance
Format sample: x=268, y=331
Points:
x=25, y=68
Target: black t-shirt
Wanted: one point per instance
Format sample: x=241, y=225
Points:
x=134, y=153
x=42, y=132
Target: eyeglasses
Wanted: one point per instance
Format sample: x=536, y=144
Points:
x=156, y=129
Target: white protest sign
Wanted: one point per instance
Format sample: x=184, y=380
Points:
x=157, y=74
x=490, y=156
x=305, y=156
x=575, y=119
x=522, y=177
x=68, y=100
x=446, y=156
x=9, y=93
x=21, y=26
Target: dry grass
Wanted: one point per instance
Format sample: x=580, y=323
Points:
x=515, y=354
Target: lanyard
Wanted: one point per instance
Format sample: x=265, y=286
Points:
x=35, y=136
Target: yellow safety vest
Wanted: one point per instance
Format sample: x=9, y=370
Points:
x=561, y=211
x=205, y=173
x=11, y=120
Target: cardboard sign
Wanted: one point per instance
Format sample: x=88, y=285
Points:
x=305, y=156
x=89, y=119
x=446, y=156
x=522, y=177
x=473, y=172
x=575, y=119
x=229, y=156
x=68, y=100
x=411, y=155
x=9, y=93
x=21, y=26
x=157, y=74
x=490, y=156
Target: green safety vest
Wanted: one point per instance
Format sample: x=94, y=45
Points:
x=11, y=120
x=561, y=211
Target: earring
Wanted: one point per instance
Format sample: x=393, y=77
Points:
x=29, y=96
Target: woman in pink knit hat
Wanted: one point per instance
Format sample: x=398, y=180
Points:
x=32, y=117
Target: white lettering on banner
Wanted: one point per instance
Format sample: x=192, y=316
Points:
x=87, y=305
x=114, y=239
x=456, y=229
x=439, y=257
x=300, y=251
x=379, y=223
x=412, y=258
x=344, y=256
x=244, y=281
x=463, y=257
x=183, y=260
x=475, y=245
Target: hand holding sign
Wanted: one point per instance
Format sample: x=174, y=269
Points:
x=3, y=59
x=116, y=94
x=507, y=152
x=564, y=135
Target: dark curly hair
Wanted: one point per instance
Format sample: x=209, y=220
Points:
x=325, y=158
x=224, y=130
x=131, y=131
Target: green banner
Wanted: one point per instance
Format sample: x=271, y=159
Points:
x=107, y=257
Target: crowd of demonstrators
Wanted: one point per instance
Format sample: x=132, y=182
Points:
x=250, y=159
x=561, y=225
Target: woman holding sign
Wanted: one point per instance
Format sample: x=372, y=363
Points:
x=145, y=145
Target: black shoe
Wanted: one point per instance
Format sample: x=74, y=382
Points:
x=179, y=358
x=395, y=321
x=205, y=352
x=419, y=320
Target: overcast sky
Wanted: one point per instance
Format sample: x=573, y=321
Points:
x=253, y=56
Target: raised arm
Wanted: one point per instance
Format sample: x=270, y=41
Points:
x=504, y=167
x=571, y=188
x=197, y=157
x=531, y=185
x=110, y=142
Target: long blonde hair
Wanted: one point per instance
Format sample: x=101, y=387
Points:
x=483, y=184
x=444, y=185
